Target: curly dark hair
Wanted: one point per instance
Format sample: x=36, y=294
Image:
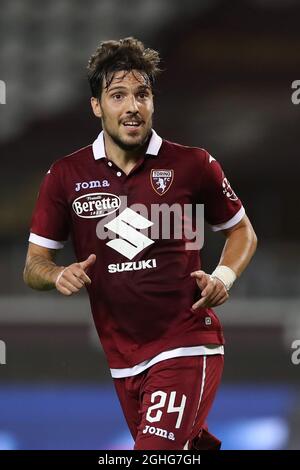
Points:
x=126, y=54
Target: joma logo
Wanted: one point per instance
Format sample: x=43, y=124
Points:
x=91, y=184
x=159, y=432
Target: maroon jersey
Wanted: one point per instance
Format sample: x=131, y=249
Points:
x=141, y=292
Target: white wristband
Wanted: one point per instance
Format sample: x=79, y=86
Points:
x=225, y=275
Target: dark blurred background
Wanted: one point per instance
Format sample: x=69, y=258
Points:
x=227, y=87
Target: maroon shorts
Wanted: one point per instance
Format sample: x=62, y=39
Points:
x=166, y=406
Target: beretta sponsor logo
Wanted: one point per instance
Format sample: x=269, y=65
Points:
x=90, y=206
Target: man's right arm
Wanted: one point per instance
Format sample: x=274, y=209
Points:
x=42, y=273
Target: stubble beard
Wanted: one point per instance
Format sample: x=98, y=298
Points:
x=125, y=145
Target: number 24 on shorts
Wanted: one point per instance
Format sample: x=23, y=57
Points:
x=155, y=417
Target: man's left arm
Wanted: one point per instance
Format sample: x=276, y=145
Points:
x=240, y=246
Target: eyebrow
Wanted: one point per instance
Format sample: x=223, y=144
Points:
x=117, y=87
x=120, y=87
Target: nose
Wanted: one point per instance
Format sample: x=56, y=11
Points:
x=132, y=106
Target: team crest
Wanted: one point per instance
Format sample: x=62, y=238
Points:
x=161, y=180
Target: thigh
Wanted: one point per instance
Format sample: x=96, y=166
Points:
x=128, y=393
x=176, y=395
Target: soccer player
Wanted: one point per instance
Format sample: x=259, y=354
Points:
x=151, y=302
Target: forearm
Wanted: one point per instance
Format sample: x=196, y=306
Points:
x=239, y=248
x=41, y=273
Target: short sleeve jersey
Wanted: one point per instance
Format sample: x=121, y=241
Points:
x=141, y=292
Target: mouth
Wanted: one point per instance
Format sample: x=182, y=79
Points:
x=132, y=124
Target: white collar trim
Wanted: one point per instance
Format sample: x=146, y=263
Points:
x=153, y=147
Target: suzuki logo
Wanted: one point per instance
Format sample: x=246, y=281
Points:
x=126, y=225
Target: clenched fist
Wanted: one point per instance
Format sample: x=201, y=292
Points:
x=213, y=291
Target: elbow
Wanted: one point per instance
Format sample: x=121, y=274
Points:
x=253, y=241
x=25, y=276
x=250, y=236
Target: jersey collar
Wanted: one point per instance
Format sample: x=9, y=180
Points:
x=153, y=147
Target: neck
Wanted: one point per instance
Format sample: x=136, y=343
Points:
x=124, y=159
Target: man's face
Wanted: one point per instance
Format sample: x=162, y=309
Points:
x=126, y=109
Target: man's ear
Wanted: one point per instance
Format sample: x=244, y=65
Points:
x=95, y=103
